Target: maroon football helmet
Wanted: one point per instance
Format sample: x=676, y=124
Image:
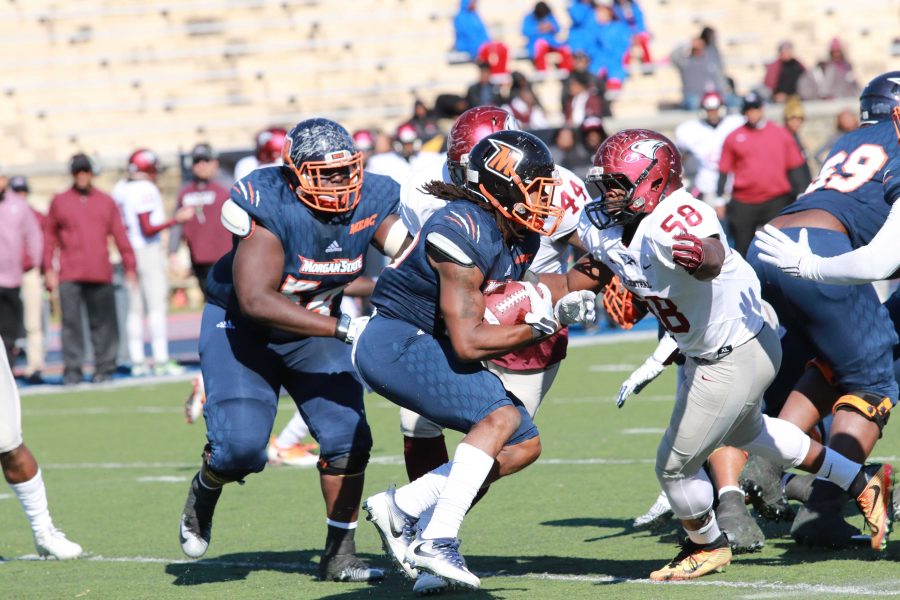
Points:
x=469, y=129
x=143, y=161
x=634, y=169
x=407, y=141
x=270, y=144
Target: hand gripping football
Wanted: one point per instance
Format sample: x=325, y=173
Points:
x=506, y=303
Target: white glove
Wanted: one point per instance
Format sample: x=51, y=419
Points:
x=776, y=248
x=541, y=318
x=648, y=371
x=357, y=324
x=576, y=307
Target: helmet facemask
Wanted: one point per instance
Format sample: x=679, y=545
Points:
x=622, y=201
x=534, y=210
x=316, y=185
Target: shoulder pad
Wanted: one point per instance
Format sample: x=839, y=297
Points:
x=235, y=219
x=449, y=249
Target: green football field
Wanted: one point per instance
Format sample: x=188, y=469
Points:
x=117, y=464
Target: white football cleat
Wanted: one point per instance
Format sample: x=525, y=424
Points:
x=396, y=528
x=193, y=406
x=660, y=511
x=441, y=557
x=53, y=543
x=427, y=584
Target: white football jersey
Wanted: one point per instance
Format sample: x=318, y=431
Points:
x=134, y=198
x=697, y=137
x=706, y=318
x=416, y=207
x=248, y=164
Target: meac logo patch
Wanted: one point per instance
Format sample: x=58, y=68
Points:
x=505, y=159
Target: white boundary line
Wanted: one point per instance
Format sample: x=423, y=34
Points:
x=890, y=587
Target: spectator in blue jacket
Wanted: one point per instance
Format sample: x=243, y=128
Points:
x=471, y=34
x=472, y=38
x=540, y=28
x=612, y=41
x=630, y=12
x=582, y=33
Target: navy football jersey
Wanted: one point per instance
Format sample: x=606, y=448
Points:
x=323, y=252
x=849, y=186
x=408, y=288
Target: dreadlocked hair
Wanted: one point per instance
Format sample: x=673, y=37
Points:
x=451, y=192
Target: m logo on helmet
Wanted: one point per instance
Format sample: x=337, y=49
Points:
x=505, y=159
x=644, y=149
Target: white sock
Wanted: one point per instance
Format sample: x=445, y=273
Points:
x=706, y=534
x=416, y=497
x=33, y=497
x=838, y=469
x=470, y=468
x=293, y=432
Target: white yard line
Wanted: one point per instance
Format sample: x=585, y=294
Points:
x=887, y=588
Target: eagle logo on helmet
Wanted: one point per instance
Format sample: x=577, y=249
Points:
x=505, y=160
x=644, y=149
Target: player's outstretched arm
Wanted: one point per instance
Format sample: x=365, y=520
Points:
x=878, y=260
x=257, y=271
x=462, y=308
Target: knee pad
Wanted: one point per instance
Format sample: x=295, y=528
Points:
x=415, y=425
x=690, y=497
x=872, y=406
x=350, y=464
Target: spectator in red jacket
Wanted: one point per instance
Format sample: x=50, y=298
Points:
x=783, y=74
x=206, y=238
x=76, y=261
x=768, y=169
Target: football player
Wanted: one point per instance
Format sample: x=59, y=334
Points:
x=23, y=474
x=423, y=348
x=269, y=146
x=666, y=248
x=527, y=373
x=844, y=328
x=302, y=231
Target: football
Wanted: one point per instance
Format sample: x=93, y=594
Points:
x=506, y=303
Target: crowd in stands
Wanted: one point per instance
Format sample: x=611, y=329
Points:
x=744, y=165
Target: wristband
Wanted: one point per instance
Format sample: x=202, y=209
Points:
x=343, y=327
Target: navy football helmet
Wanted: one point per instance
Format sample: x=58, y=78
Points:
x=514, y=172
x=879, y=98
x=327, y=167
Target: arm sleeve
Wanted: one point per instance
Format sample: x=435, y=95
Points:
x=873, y=262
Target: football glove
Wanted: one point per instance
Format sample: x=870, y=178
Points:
x=541, y=317
x=688, y=252
x=793, y=258
x=576, y=307
x=648, y=371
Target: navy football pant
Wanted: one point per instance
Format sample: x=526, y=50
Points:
x=421, y=373
x=243, y=375
x=844, y=325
